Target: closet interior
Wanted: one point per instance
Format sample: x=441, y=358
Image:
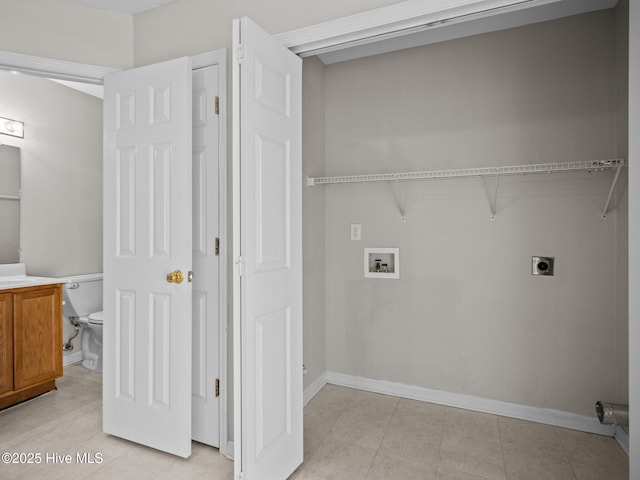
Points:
x=472, y=157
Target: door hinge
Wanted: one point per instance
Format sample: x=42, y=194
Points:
x=217, y=387
x=217, y=105
x=240, y=53
x=240, y=265
x=217, y=248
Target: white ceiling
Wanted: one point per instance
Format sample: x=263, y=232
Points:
x=123, y=6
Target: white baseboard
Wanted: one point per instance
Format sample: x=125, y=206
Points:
x=622, y=438
x=313, y=389
x=547, y=416
x=71, y=358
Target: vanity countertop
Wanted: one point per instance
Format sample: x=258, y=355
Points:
x=13, y=275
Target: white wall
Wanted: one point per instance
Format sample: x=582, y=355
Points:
x=66, y=31
x=188, y=27
x=61, y=154
x=466, y=315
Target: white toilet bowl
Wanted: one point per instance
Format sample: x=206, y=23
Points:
x=82, y=304
x=92, y=341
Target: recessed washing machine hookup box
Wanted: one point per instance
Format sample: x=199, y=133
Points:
x=542, y=266
x=382, y=262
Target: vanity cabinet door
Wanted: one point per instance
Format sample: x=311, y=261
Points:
x=6, y=342
x=37, y=336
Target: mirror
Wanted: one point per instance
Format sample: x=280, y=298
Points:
x=60, y=158
x=9, y=204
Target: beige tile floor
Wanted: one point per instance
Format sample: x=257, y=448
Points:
x=353, y=434
x=69, y=421
x=349, y=434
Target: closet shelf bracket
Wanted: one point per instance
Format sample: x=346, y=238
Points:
x=611, y=190
x=397, y=193
x=495, y=199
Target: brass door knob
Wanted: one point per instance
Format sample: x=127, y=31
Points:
x=175, y=277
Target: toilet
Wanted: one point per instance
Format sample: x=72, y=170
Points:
x=82, y=295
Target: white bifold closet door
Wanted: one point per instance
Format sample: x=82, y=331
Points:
x=205, y=424
x=147, y=235
x=267, y=88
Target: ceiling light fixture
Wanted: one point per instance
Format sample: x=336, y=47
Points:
x=11, y=127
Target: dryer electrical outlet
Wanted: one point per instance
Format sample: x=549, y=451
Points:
x=542, y=266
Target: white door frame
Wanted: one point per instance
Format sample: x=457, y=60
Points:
x=416, y=22
x=634, y=236
x=219, y=57
x=94, y=74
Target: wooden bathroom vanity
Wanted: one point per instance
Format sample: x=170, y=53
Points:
x=30, y=340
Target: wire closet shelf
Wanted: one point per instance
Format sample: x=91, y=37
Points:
x=537, y=168
x=481, y=172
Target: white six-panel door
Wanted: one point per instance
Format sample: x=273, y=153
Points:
x=147, y=190
x=268, y=253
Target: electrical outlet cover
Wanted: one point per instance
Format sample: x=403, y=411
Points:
x=356, y=231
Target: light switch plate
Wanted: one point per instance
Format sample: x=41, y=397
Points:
x=356, y=231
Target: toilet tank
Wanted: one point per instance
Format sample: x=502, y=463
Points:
x=82, y=294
